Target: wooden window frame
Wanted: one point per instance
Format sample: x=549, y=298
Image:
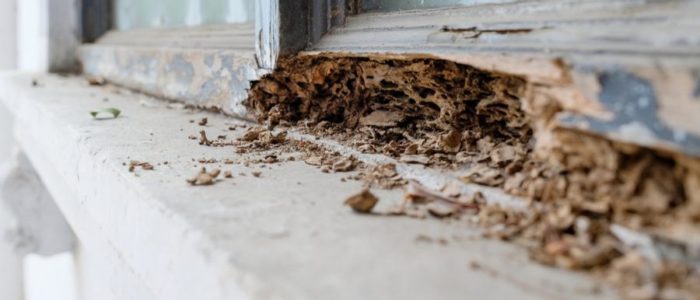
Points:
x=282, y=27
x=285, y=27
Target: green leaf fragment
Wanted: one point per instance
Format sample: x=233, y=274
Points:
x=105, y=113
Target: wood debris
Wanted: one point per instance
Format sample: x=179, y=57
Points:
x=344, y=164
x=384, y=176
x=95, y=80
x=204, y=177
x=438, y=205
x=483, y=174
x=203, y=140
x=143, y=165
x=442, y=112
x=414, y=159
x=362, y=202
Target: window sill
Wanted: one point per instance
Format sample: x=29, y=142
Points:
x=277, y=236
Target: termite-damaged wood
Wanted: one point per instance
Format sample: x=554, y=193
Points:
x=503, y=129
x=422, y=97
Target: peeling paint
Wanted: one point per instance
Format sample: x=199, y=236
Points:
x=634, y=103
x=207, y=78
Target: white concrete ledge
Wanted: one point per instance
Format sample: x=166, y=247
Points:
x=285, y=235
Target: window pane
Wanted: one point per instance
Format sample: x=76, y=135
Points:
x=129, y=14
x=394, y=5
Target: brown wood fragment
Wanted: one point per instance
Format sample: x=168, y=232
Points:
x=362, y=202
x=204, y=178
x=203, y=140
x=144, y=165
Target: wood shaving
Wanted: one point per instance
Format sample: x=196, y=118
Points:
x=95, y=80
x=144, y=165
x=415, y=159
x=204, y=177
x=416, y=193
x=483, y=174
x=383, y=176
x=362, y=202
x=203, y=140
x=344, y=165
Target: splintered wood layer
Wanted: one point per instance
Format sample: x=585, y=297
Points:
x=421, y=94
x=611, y=181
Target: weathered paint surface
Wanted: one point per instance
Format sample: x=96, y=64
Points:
x=397, y=5
x=635, y=105
x=207, y=78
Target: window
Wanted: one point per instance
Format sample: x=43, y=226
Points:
x=130, y=14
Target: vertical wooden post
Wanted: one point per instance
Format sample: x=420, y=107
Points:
x=65, y=35
x=284, y=27
x=281, y=28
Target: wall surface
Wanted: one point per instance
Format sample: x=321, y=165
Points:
x=8, y=32
x=8, y=61
x=10, y=263
x=32, y=35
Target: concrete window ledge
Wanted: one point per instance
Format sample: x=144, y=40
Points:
x=285, y=235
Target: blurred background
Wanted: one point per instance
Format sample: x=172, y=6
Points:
x=24, y=37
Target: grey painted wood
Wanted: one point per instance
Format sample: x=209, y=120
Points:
x=319, y=19
x=285, y=27
x=96, y=19
x=208, y=66
x=65, y=35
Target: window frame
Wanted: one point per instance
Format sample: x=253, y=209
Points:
x=285, y=27
x=281, y=28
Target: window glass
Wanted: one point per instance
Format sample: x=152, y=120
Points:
x=395, y=5
x=129, y=14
